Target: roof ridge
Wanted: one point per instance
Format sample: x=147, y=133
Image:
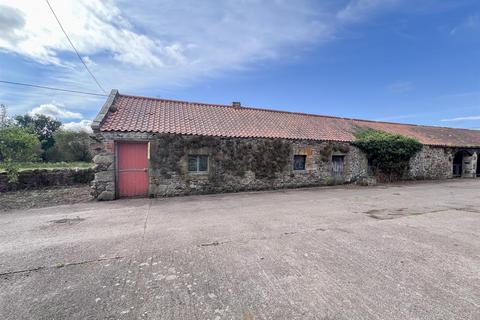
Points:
x=291, y=112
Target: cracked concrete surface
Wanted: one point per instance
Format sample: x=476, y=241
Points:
x=388, y=252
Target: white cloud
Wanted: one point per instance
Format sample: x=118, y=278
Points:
x=231, y=30
x=147, y=45
x=358, y=10
x=82, y=125
x=11, y=20
x=182, y=46
x=93, y=26
x=470, y=23
x=468, y=118
x=55, y=111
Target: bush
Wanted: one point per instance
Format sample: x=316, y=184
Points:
x=70, y=146
x=18, y=145
x=11, y=169
x=387, y=153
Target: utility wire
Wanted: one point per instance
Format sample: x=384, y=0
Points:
x=52, y=88
x=71, y=43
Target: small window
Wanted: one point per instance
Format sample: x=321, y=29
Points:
x=197, y=163
x=299, y=162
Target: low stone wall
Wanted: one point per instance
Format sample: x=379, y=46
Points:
x=40, y=178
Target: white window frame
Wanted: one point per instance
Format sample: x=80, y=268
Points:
x=197, y=156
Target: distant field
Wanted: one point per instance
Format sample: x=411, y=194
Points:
x=52, y=165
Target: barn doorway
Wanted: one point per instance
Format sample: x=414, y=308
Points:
x=478, y=166
x=132, y=169
x=338, y=168
x=462, y=158
x=458, y=164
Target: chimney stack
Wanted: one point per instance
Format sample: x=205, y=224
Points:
x=236, y=104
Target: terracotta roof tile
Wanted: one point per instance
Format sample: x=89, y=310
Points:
x=167, y=116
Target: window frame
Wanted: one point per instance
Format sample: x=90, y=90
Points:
x=197, y=163
x=304, y=157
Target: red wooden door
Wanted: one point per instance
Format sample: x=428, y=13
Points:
x=132, y=169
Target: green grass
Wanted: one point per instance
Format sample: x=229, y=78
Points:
x=52, y=165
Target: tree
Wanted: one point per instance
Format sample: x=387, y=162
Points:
x=42, y=126
x=5, y=121
x=70, y=146
x=17, y=144
x=3, y=114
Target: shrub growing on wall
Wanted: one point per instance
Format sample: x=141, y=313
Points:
x=387, y=153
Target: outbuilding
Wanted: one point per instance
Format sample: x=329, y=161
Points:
x=158, y=147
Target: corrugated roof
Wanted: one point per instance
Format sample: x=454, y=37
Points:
x=143, y=114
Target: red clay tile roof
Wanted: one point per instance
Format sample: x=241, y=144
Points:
x=141, y=114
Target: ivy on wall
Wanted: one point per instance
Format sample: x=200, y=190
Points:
x=237, y=157
x=265, y=157
x=388, y=154
x=327, y=151
x=271, y=158
x=166, y=152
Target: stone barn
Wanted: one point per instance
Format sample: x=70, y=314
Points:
x=157, y=147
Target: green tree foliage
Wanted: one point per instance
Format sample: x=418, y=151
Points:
x=387, y=153
x=42, y=126
x=16, y=145
x=5, y=121
x=70, y=146
x=3, y=115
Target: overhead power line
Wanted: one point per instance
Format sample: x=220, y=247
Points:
x=53, y=88
x=75, y=49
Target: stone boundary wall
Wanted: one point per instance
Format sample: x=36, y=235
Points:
x=41, y=178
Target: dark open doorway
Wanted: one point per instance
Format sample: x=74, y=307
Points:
x=462, y=158
x=478, y=167
x=458, y=164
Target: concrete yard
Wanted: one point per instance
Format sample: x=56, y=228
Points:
x=388, y=252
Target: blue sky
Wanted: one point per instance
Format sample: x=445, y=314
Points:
x=393, y=60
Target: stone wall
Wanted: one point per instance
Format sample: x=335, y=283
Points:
x=41, y=178
x=103, y=185
x=235, y=164
x=246, y=164
x=437, y=163
x=431, y=163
